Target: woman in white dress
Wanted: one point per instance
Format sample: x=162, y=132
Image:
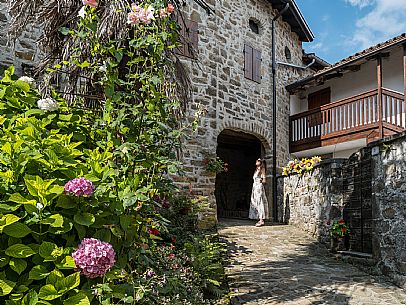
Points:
x=259, y=202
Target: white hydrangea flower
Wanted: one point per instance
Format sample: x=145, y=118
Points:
x=82, y=12
x=28, y=80
x=48, y=104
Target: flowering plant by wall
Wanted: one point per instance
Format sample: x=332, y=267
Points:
x=339, y=229
x=301, y=166
x=213, y=164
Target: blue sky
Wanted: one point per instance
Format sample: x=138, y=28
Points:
x=344, y=27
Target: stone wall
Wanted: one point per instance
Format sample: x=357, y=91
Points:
x=389, y=205
x=25, y=52
x=312, y=201
x=231, y=101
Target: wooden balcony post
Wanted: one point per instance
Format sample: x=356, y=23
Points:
x=379, y=79
x=403, y=116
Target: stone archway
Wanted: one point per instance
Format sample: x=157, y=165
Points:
x=233, y=187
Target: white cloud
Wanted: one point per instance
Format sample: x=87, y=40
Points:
x=387, y=19
x=360, y=3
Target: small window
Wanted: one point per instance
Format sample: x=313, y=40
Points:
x=254, y=26
x=288, y=55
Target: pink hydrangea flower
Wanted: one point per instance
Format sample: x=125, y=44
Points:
x=91, y=3
x=93, y=257
x=79, y=187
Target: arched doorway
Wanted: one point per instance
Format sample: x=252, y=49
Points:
x=233, y=187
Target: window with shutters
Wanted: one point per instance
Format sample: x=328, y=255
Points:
x=189, y=38
x=252, y=64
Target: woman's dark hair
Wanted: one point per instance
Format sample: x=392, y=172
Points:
x=263, y=164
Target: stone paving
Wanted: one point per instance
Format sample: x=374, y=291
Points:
x=279, y=264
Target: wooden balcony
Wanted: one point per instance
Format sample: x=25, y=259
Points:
x=365, y=116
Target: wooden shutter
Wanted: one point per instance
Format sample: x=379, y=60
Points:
x=189, y=38
x=256, y=73
x=193, y=39
x=248, y=64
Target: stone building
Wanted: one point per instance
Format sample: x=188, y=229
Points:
x=229, y=59
x=227, y=52
x=25, y=52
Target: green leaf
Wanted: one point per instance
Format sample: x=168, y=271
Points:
x=125, y=221
x=30, y=298
x=22, y=85
x=38, y=273
x=66, y=202
x=67, y=263
x=78, y=299
x=48, y=292
x=55, y=221
x=50, y=251
x=6, y=286
x=85, y=219
x=18, y=265
x=6, y=220
x=17, y=198
x=31, y=186
x=103, y=234
x=19, y=251
x=54, y=277
x=68, y=283
x=4, y=260
x=7, y=148
x=17, y=230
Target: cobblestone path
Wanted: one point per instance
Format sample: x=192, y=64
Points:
x=281, y=265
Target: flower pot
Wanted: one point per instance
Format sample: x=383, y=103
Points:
x=339, y=244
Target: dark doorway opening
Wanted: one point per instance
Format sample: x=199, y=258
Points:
x=233, y=187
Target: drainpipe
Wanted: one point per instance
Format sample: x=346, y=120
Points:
x=274, y=108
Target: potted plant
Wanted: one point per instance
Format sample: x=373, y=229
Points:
x=339, y=235
x=214, y=164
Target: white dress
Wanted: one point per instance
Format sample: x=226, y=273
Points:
x=259, y=202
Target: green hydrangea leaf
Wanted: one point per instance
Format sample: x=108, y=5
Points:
x=18, y=265
x=6, y=220
x=50, y=251
x=84, y=219
x=19, y=251
x=6, y=286
x=17, y=230
x=38, y=273
x=68, y=283
x=55, y=221
x=49, y=292
x=30, y=298
x=78, y=299
x=67, y=263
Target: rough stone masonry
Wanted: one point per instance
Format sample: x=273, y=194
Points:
x=232, y=101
